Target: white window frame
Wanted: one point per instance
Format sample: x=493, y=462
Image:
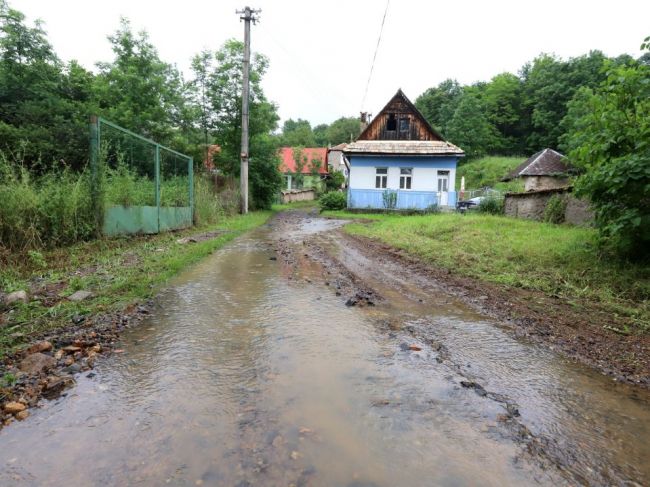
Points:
x=381, y=177
x=443, y=176
x=406, y=178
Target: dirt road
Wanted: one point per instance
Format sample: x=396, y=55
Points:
x=295, y=356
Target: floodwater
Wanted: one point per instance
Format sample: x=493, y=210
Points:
x=250, y=373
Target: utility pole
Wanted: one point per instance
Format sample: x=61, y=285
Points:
x=247, y=15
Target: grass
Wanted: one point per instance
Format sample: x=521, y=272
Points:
x=488, y=171
x=119, y=271
x=558, y=260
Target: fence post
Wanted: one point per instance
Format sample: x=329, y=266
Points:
x=93, y=133
x=157, y=183
x=190, y=168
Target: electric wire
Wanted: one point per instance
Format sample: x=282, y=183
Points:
x=374, y=58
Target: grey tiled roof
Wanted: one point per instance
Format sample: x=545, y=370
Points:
x=546, y=162
x=403, y=147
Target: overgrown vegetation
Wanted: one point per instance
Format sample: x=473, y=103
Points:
x=609, y=139
x=54, y=208
x=491, y=204
x=333, y=200
x=557, y=260
x=555, y=209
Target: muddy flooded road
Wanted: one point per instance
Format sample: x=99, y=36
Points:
x=291, y=357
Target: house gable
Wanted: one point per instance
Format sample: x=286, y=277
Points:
x=400, y=120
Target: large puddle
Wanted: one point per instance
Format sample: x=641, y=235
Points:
x=244, y=377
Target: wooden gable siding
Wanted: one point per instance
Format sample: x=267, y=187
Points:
x=391, y=121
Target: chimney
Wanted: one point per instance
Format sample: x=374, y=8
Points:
x=364, y=120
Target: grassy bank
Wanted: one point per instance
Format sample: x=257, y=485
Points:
x=117, y=271
x=555, y=259
x=488, y=171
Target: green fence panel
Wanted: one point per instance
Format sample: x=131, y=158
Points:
x=121, y=220
x=174, y=217
x=170, y=174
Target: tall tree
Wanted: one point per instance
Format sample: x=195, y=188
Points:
x=438, y=104
x=137, y=89
x=470, y=129
x=297, y=133
x=41, y=100
x=502, y=99
x=344, y=129
x=224, y=100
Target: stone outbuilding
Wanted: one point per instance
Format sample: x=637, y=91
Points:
x=547, y=169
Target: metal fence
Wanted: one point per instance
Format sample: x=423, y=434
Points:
x=138, y=185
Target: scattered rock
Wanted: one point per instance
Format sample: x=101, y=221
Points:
x=22, y=415
x=295, y=455
x=71, y=349
x=186, y=240
x=43, y=346
x=72, y=369
x=14, y=407
x=36, y=363
x=415, y=348
x=15, y=297
x=80, y=296
x=78, y=319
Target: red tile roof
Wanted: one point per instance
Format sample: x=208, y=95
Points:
x=288, y=164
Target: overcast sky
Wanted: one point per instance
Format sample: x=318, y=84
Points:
x=320, y=51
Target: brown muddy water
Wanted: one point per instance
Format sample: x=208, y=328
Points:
x=250, y=372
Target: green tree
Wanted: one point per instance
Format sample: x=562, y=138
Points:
x=470, y=129
x=502, y=98
x=42, y=101
x=297, y=133
x=549, y=84
x=609, y=139
x=320, y=135
x=438, y=104
x=343, y=130
x=137, y=89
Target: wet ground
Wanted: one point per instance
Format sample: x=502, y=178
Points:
x=291, y=357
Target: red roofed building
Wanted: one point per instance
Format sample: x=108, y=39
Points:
x=311, y=158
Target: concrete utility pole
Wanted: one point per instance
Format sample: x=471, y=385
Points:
x=247, y=15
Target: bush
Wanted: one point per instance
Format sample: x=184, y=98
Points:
x=555, y=208
x=334, y=200
x=334, y=182
x=492, y=205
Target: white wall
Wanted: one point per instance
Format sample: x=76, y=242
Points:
x=424, y=178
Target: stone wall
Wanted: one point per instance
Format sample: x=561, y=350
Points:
x=537, y=183
x=532, y=204
x=298, y=195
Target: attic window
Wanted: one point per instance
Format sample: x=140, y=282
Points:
x=392, y=122
x=404, y=124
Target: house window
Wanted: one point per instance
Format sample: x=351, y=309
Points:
x=381, y=177
x=405, y=176
x=404, y=124
x=392, y=122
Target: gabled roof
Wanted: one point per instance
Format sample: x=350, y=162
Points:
x=403, y=147
x=288, y=163
x=547, y=162
x=400, y=95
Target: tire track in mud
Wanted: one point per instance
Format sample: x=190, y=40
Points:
x=324, y=249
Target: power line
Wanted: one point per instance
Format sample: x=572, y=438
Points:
x=374, y=58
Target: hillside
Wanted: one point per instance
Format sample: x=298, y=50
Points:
x=488, y=171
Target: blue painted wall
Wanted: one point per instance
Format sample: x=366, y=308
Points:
x=406, y=199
